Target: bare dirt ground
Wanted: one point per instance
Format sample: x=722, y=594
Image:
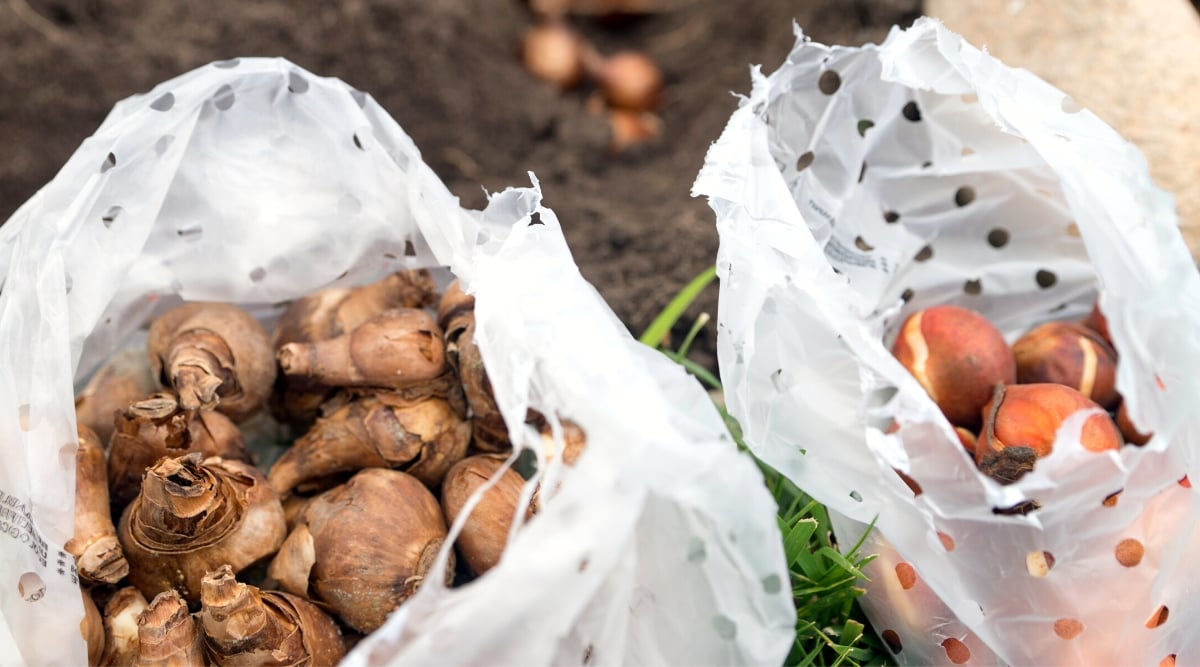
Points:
x=448, y=71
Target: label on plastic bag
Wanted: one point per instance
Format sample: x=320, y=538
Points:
x=16, y=523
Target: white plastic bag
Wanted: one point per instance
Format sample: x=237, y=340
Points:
x=252, y=181
x=857, y=185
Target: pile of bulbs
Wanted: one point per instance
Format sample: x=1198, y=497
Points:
x=1007, y=403
x=630, y=83
x=198, y=557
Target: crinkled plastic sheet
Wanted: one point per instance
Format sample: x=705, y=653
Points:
x=855, y=186
x=253, y=181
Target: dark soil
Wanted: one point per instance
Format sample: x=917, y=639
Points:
x=448, y=72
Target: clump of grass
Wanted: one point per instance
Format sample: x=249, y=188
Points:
x=830, y=626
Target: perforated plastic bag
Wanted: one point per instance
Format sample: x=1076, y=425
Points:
x=855, y=186
x=254, y=182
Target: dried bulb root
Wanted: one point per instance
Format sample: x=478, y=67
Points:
x=97, y=552
x=213, y=355
x=330, y=313
x=424, y=440
x=158, y=426
x=245, y=626
x=360, y=568
x=167, y=634
x=195, y=515
x=121, y=626
x=395, y=349
x=92, y=628
x=485, y=533
x=123, y=379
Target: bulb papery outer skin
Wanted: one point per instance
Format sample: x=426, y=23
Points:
x=157, y=426
x=97, y=552
x=195, y=515
x=92, y=628
x=120, y=626
x=213, y=355
x=330, y=313
x=245, y=626
x=365, y=547
x=485, y=533
x=423, y=439
x=123, y=379
x=167, y=634
x=398, y=348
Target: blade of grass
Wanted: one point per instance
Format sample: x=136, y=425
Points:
x=795, y=544
x=686, y=345
x=701, y=373
x=657, y=331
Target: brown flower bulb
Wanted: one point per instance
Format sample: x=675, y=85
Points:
x=485, y=533
x=330, y=313
x=167, y=634
x=1021, y=423
x=424, y=440
x=1071, y=354
x=958, y=356
x=121, y=626
x=194, y=515
x=245, y=626
x=213, y=355
x=342, y=555
x=123, y=379
x=97, y=552
x=92, y=628
x=157, y=426
x=398, y=348
x=489, y=432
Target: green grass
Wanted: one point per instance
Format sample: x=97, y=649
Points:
x=830, y=627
